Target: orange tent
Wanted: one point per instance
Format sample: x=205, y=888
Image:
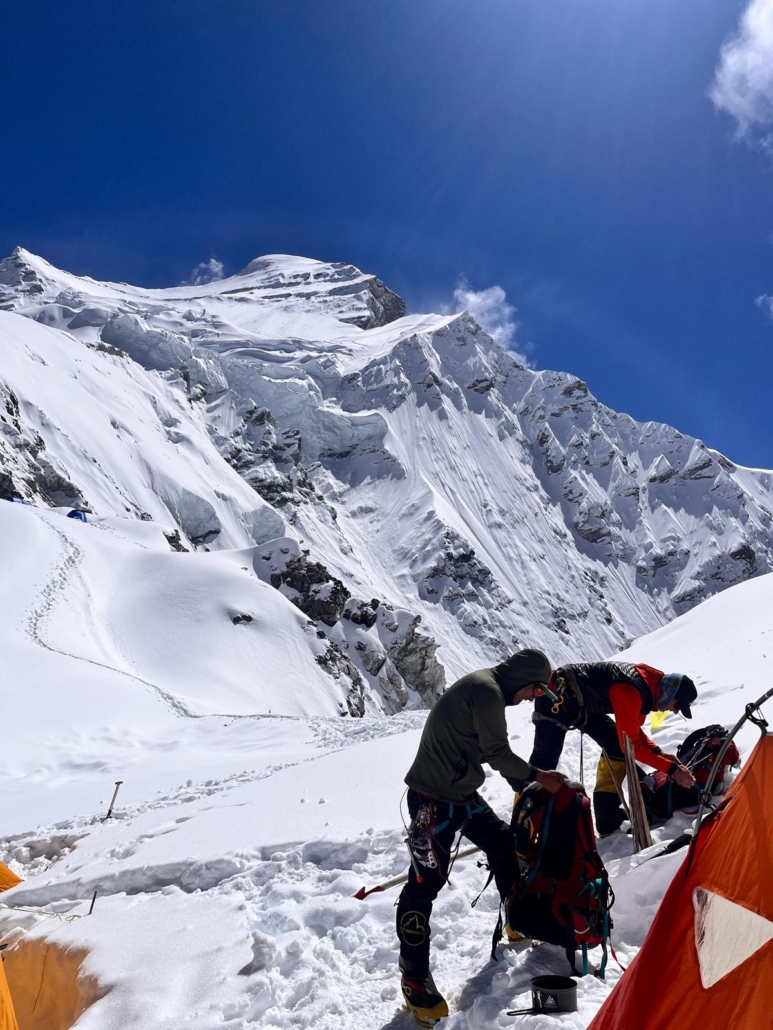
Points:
x=7, y=1017
x=708, y=958
x=7, y=878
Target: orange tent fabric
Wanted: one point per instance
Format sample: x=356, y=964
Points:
x=7, y=1017
x=7, y=878
x=708, y=958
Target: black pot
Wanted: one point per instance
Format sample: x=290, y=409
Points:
x=550, y=994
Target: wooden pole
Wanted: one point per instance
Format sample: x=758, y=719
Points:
x=641, y=828
x=112, y=803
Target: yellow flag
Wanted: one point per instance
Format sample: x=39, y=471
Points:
x=657, y=720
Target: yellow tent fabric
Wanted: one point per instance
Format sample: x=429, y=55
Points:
x=7, y=1017
x=7, y=880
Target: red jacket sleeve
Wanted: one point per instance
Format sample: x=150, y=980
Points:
x=626, y=703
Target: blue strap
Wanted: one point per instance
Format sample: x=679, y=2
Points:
x=442, y=826
x=605, y=938
x=543, y=837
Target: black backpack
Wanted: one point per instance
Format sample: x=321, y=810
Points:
x=699, y=752
x=563, y=896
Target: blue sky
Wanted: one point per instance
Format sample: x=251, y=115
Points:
x=565, y=151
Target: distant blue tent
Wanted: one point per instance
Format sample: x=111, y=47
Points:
x=76, y=513
x=17, y=500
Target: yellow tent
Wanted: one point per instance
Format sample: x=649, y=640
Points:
x=7, y=878
x=7, y=1017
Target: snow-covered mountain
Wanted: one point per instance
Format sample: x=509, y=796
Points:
x=389, y=468
x=300, y=502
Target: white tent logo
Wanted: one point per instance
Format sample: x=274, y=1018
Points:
x=726, y=934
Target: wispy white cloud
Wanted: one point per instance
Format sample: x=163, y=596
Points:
x=492, y=312
x=743, y=80
x=205, y=272
x=765, y=301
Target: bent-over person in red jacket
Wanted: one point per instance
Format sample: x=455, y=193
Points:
x=588, y=695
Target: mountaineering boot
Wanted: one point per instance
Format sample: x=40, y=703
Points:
x=513, y=937
x=423, y=999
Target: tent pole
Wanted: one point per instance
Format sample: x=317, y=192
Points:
x=706, y=794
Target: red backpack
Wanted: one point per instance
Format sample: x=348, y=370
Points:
x=563, y=896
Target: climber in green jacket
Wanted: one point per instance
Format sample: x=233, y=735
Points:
x=466, y=728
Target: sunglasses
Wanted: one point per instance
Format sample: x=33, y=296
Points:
x=543, y=690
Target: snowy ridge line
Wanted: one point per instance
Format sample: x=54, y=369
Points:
x=52, y=596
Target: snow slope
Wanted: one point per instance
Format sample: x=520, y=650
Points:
x=416, y=461
x=225, y=878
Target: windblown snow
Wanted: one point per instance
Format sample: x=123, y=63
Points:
x=305, y=512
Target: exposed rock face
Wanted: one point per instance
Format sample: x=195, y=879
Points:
x=310, y=586
x=268, y=457
x=336, y=663
x=26, y=468
x=382, y=643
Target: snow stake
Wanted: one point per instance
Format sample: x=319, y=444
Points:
x=363, y=892
x=642, y=838
x=93, y=902
x=112, y=803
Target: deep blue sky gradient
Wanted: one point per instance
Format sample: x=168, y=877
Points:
x=563, y=149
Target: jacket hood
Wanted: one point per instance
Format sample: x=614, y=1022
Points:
x=520, y=669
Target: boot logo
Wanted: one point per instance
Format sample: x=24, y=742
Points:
x=413, y=928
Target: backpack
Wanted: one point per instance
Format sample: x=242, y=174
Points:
x=662, y=797
x=699, y=753
x=563, y=896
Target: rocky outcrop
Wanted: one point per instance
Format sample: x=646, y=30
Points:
x=382, y=642
x=338, y=665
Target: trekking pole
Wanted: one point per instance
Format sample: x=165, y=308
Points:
x=618, y=785
x=363, y=892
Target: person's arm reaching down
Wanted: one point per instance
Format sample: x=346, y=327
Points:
x=626, y=703
x=491, y=726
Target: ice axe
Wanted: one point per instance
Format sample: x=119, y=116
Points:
x=363, y=892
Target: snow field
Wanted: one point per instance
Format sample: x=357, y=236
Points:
x=227, y=900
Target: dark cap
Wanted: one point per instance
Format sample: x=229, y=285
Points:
x=685, y=696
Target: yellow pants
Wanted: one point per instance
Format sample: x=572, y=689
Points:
x=606, y=801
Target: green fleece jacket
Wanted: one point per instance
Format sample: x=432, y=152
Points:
x=465, y=728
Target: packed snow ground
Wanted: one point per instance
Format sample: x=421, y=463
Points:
x=226, y=876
